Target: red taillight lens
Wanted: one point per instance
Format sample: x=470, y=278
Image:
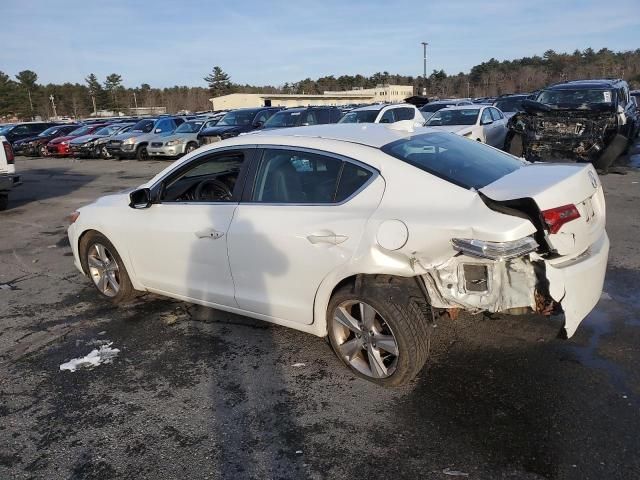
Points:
x=555, y=218
x=8, y=151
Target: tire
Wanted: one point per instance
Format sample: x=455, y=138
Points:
x=4, y=201
x=141, y=154
x=190, y=148
x=514, y=145
x=43, y=151
x=104, y=153
x=90, y=247
x=397, y=313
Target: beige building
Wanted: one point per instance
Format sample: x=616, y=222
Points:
x=382, y=93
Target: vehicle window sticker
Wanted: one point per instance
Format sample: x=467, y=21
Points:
x=607, y=96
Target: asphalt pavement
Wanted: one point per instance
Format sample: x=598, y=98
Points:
x=198, y=393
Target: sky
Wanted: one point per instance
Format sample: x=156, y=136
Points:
x=177, y=42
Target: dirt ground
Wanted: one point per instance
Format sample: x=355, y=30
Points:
x=198, y=393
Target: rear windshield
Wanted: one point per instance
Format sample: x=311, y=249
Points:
x=434, y=107
x=362, y=116
x=467, y=116
x=463, y=162
x=289, y=118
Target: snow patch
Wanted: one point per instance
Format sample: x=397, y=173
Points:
x=105, y=354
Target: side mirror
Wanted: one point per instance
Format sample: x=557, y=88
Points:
x=140, y=198
x=158, y=130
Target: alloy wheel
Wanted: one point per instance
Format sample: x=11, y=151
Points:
x=103, y=269
x=364, y=339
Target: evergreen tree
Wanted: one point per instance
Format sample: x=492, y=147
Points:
x=219, y=82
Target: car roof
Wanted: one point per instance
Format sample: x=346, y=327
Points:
x=476, y=106
x=369, y=107
x=370, y=134
x=595, y=83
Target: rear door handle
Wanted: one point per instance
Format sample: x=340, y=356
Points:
x=209, y=233
x=332, y=239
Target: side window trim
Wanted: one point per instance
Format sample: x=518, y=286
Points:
x=249, y=152
x=256, y=160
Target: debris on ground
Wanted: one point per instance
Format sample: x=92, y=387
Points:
x=297, y=365
x=105, y=354
x=454, y=473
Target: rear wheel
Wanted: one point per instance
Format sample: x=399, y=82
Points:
x=142, y=154
x=380, y=333
x=101, y=261
x=4, y=201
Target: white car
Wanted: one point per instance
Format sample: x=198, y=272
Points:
x=381, y=113
x=362, y=233
x=483, y=123
x=8, y=177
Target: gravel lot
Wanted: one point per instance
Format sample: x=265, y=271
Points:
x=198, y=393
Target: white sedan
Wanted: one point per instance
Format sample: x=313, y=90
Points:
x=483, y=123
x=363, y=233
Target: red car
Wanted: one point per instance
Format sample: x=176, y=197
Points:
x=60, y=146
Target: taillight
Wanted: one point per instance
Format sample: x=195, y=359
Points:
x=555, y=218
x=8, y=151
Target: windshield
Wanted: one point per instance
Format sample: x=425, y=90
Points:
x=467, y=116
x=284, y=119
x=143, y=126
x=361, y=116
x=49, y=131
x=466, y=163
x=5, y=129
x=579, y=96
x=79, y=131
x=510, y=104
x=107, y=130
x=189, y=127
x=237, y=119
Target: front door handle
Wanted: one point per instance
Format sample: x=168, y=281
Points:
x=209, y=233
x=332, y=239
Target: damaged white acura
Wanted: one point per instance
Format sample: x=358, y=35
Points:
x=362, y=233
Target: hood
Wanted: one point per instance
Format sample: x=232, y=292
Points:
x=225, y=129
x=536, y=108
x=459, y=129
x=67, y=138
x=128, y=135
x=86, y=138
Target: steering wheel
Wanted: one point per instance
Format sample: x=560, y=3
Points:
x=212, y=189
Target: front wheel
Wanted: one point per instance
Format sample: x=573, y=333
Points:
x=379, y=335
x=142, y=154
x=190, y=148
x=101, y=261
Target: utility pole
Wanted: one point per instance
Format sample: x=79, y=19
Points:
x=468, y=93
x=53, y=105
x=135, y=100
x=424, y=76
x=30, y=104
x=93, y=100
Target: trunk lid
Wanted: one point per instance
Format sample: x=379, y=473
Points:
x=555, y=185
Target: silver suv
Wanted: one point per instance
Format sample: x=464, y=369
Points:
x=182, y=141
x=134, y=143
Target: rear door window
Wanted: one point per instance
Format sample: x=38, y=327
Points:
x=495, y=114
x=404, y=113
x=388, y=116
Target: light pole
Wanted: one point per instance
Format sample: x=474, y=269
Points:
x=424, y=76
x=30, y=104
x=53, y=104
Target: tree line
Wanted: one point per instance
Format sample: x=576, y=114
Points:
x=24, y=98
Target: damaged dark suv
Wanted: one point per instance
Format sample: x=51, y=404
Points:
x=582, y=120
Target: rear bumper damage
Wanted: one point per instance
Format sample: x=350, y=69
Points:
x=522, y=285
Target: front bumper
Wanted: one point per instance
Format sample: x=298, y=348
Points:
x=58, y=149
x=125, y=150
x=82, y=151
x=164, y=151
